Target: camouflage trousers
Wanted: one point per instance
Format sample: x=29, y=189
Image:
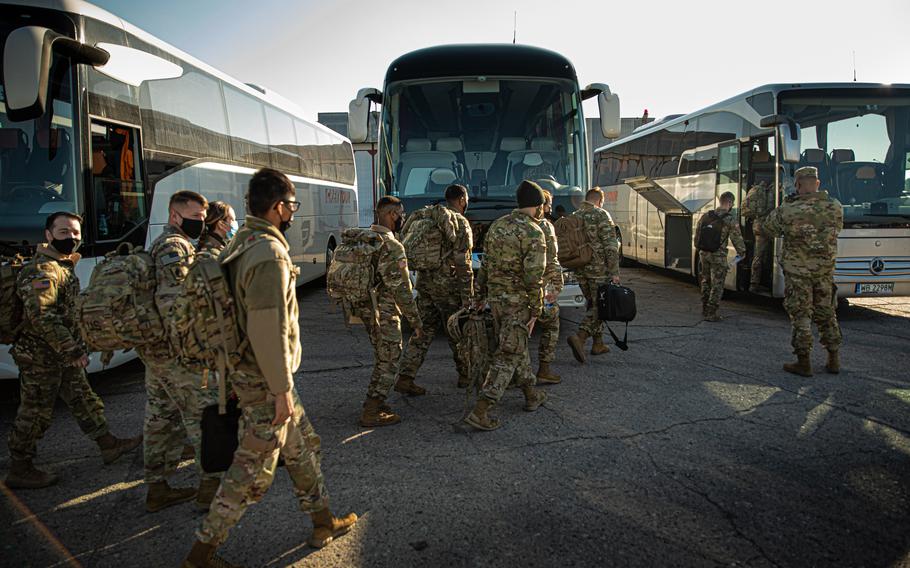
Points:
x=511, y=358
x=591, y=324
x=41, y=382
x=436, y=301
x=548, y=324
x=173, y=410
x=807, y=300
x=385, y=337
x=256, y=459
x=759, y=253
x=713, y=273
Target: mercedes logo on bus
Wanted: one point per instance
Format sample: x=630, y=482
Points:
x=876, y=266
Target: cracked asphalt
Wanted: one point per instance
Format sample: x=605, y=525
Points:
x=693, y=448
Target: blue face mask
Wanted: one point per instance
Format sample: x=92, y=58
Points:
x=233, y=230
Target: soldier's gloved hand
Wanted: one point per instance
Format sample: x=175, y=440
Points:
x=80, y=362
x=284, y=408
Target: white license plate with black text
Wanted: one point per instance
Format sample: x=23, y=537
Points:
x=875, y=288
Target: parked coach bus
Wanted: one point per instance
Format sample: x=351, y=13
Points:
x=100, y=118
x=661, y=179
x=487, y=117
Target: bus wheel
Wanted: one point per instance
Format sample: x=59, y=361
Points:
x=329, y=254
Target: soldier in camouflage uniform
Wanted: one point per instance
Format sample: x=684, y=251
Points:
x=512, y=281
x=394, y=297
x=553, y=284
x=220, y=226
x=437, y=298
x=273, y=422
x=175, y=395
x=52, y=358
x=603, y=268
x=713, y=264
x=758, y=203
x=809, y=223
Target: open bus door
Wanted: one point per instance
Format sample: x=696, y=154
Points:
x=757, y=166
x=729, y=178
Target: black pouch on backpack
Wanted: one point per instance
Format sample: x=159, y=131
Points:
x=219, y=436
x=616, y=303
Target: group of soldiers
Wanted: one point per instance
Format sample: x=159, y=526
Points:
x=520, y=280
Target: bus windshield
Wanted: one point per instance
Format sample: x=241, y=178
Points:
x=861, y=147
x=488, y=135
x=38, y=173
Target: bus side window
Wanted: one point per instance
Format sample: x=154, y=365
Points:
x=118, y=192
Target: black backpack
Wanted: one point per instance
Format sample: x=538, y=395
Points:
x=709, y=236
x=616, y=303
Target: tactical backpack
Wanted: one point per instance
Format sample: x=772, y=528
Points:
x=574, y=249
x=117, y=309
x=757, y=203
x=351, y=278
x=11, y=313
x=475, y=342
x=616, y=303
x=709, y=237
x=424, y=241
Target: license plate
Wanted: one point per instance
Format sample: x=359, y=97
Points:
x=875, y=288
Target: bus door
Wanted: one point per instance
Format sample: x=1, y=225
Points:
x=757, y=169
x=729, y=179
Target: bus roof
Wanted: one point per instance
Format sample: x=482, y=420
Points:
x=89, y=10
x=774, y=89
x=460, y=60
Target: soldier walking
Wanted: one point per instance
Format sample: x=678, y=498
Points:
x=220, y=227
x=714, y=231
x=809, y=223
x=512, y=281
x=52, y=358
x=175, y=395
x=442, y=290
x=603, y=268
x=553, y=284
x=263, y=280
x=758, y=203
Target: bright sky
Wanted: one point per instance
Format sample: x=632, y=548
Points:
x=666, y=56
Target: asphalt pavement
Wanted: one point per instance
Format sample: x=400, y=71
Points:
x=692, y=448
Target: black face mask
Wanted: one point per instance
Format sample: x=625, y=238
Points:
x=66, y=246
x=192, y=227
x=283, y=225
x=399, y=223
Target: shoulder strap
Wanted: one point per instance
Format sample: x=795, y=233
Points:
x=623, y=345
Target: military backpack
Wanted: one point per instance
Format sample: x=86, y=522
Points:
x=424, y=240
x=351, y=278
x=11, y=312
x=475, y=342
x=709, y=236
x=117, y=309
x=574, y=249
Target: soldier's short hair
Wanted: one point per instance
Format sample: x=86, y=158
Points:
x=455, y=192
x=266, y=188
x=728, y=196
x=594, y=194
x=387, y=202
x=52, y=218
x=185, y=196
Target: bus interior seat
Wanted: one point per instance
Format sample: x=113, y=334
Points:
x=531, y=164
x=762, y=167
x=418, y=145
x=817, y=158
x=454, y=145
x=439, y=180
x=544, y=144
x=507, y=146
x=13, y=155
x=422, y=160
x=842, y=155
x=51, y=154
x=861, y=182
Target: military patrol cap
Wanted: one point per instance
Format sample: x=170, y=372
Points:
x=529, y=194
x=806, y=172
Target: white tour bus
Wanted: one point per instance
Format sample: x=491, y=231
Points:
x=486, y=116
x=100, y=118
x=662, y=178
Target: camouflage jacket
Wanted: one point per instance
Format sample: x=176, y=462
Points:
x=173, y=254
x=48, y=288
x=809, y=225
x=729, y=231
x=758, y=202
x=211, y=242
x=553, y=273
x=457, y=242
x=264, y=285
x=515, y=259
x=393, y=289
x=601, y=233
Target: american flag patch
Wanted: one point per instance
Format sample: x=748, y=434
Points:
x=170, y=258
x=41, y=284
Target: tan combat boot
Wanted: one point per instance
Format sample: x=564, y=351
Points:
x=833, y=364
x=534, y=398
x=545, y=376
x=374, y=416
x=327, y=528
x=112, y=447
x=713, y=315
x=577, y=343
x=599, y=347
x=161, y=496
x=203, y=555
x=406, y=385
x=24, y=475
x=803, y=365
x=206, y=492
x=479, y=419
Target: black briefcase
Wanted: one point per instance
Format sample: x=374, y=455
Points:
x=616, y=303
x=219, y=436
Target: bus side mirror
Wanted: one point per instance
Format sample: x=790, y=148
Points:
x=608, y=105
x=27, y=57
x=359, y=114
x=788, y=134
